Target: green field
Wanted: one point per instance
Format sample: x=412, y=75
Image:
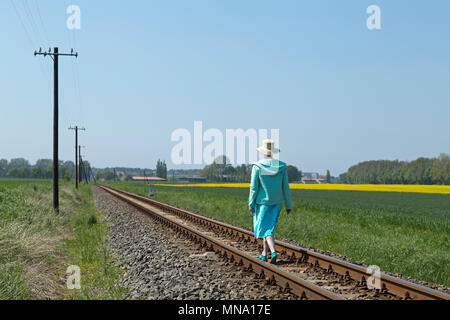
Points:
x=406, y=233
x=37, y=245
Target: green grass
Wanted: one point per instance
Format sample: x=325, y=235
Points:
x=15, y=183
x=86, y=249
x=29, y=234
x=37, y=245
x=405, y=233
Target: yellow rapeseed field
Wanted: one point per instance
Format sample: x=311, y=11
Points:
x=348, y=187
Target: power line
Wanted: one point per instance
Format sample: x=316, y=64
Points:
x=36, y=2
x=29, y=37
x=33, y=24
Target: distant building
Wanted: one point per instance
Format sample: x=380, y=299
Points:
x=310, y=175
x=152, y=179
x=313, y=181
x=191, y=179
x=120, y=173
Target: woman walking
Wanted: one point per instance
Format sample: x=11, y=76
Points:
x=268, y=189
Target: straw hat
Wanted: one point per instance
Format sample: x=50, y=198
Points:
x=268, y=148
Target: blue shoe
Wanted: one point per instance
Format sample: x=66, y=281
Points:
x=262, y=258
x=273, y=258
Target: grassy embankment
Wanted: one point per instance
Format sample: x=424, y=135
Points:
x=37, y=245
x=401, y=232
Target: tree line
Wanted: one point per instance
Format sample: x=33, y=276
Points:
x=222, y=171
x=420, y=171
x=111, y=174
x=42, y=169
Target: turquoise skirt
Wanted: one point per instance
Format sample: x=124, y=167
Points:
x=265, y=219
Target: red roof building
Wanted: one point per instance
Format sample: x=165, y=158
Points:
x=147, y=179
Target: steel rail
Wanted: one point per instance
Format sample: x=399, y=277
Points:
x=274, y=275
x=392, y=285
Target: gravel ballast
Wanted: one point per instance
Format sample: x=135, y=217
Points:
x=159, y=264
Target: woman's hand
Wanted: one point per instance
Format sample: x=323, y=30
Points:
x=252, y=211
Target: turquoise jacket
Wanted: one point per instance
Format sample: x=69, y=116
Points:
x=269, y=184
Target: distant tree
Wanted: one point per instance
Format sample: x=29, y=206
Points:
x=66, y=175
x=293, y=173
x=47, y=173
x=3, y=167
x=172, y=180
x=244, y=172
x=343, y=178
x=44, y=163
x=211, y=172
x=105, y=175
x=161, y=169
x=36, y=173
x=42, y=169
x=22, y=172
x=419, y=171
x=61, y=169
x=86, y=167
x=128, y=177
x=13, y=173
x=221, y=164
x=18, y=163
x=328, y=176
x=158, y=169
x=164, y=170
x=229, y=170
x=70, y=166
x=214, y=173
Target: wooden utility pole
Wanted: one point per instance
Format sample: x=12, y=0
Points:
x=80, y=177
x=55, y=55
x=76, y=153
x=83, y=171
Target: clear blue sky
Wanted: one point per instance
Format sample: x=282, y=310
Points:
x=341, y=93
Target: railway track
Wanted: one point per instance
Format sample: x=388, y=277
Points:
x=305, y=273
